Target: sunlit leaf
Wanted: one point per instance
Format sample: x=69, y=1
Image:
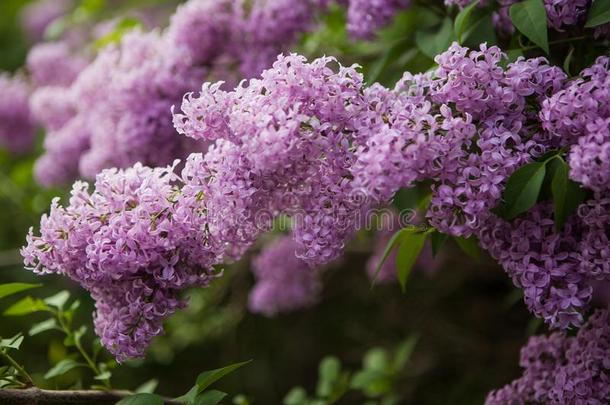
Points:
x=411, y=245
x=43, y=326
x=62, y=368
x=14, y=288
x=462, y=20
x=26, y=306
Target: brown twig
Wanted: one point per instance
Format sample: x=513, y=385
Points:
x=36, y=396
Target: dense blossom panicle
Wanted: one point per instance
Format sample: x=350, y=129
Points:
x=567, y=113
x=543, y=263
x=466, y=127
x=17, y=129
x=284, y=283
x=563, y=369
x=284, y=146
x=126, y=95
x=365, y=17
x=36, y=16
x=266, y=27
x=127, y=242
x=202, y=29
x=590, y=158
x=53, y=64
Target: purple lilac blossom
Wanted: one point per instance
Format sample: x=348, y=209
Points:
x=17, y=128
x=284, y=283
x=53, y=64
x=365, y=17
x=132, y=245
x=282, y=144
x=466, y=127
x=562, y=369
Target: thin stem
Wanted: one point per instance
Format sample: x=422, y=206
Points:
x=68, y=331
x=28, y=378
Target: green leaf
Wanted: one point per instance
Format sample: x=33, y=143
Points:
x=148, y=387
x=12, y=343
x=434, y=43
x=329, y=371
x=530, y=18
x=568, y=60
x=26, y=306
x=437, y=240
x=376, y=359
x=207, y=378
x=103, y=376
x=470, y=246
x=62, y=368
x=599, y=13
x=296, y=396
x=390, y=55
x=212, y=397
x=14, y=288
x=411, y=245
x=58, y=300
x=481, y=30
x=394, y=240
x=141, y=399
x=463, y=19
x=43, y=326
x=567, y=195
x=403, y=353
x=124, y=26
x=522, y=189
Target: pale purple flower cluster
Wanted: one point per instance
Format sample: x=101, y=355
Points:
x=578, y=116
x=562, y=369
x=466, y=127
x=53, y=64
x=284, y=283
x=17, y=129
x=542, y=262
x=125, y=97
x=282, y=144
x=365, y=17
x=133, y=244
x=121, y=102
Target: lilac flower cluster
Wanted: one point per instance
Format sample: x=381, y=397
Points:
x=53, y=64
x=466, y=127
x=120, y=108
x=133, y=244
x=282, y=145
x=285, y=283
x=17, y=129
x=578, y=116
x=563, y=369
x=365, y=17
x=310, y=140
